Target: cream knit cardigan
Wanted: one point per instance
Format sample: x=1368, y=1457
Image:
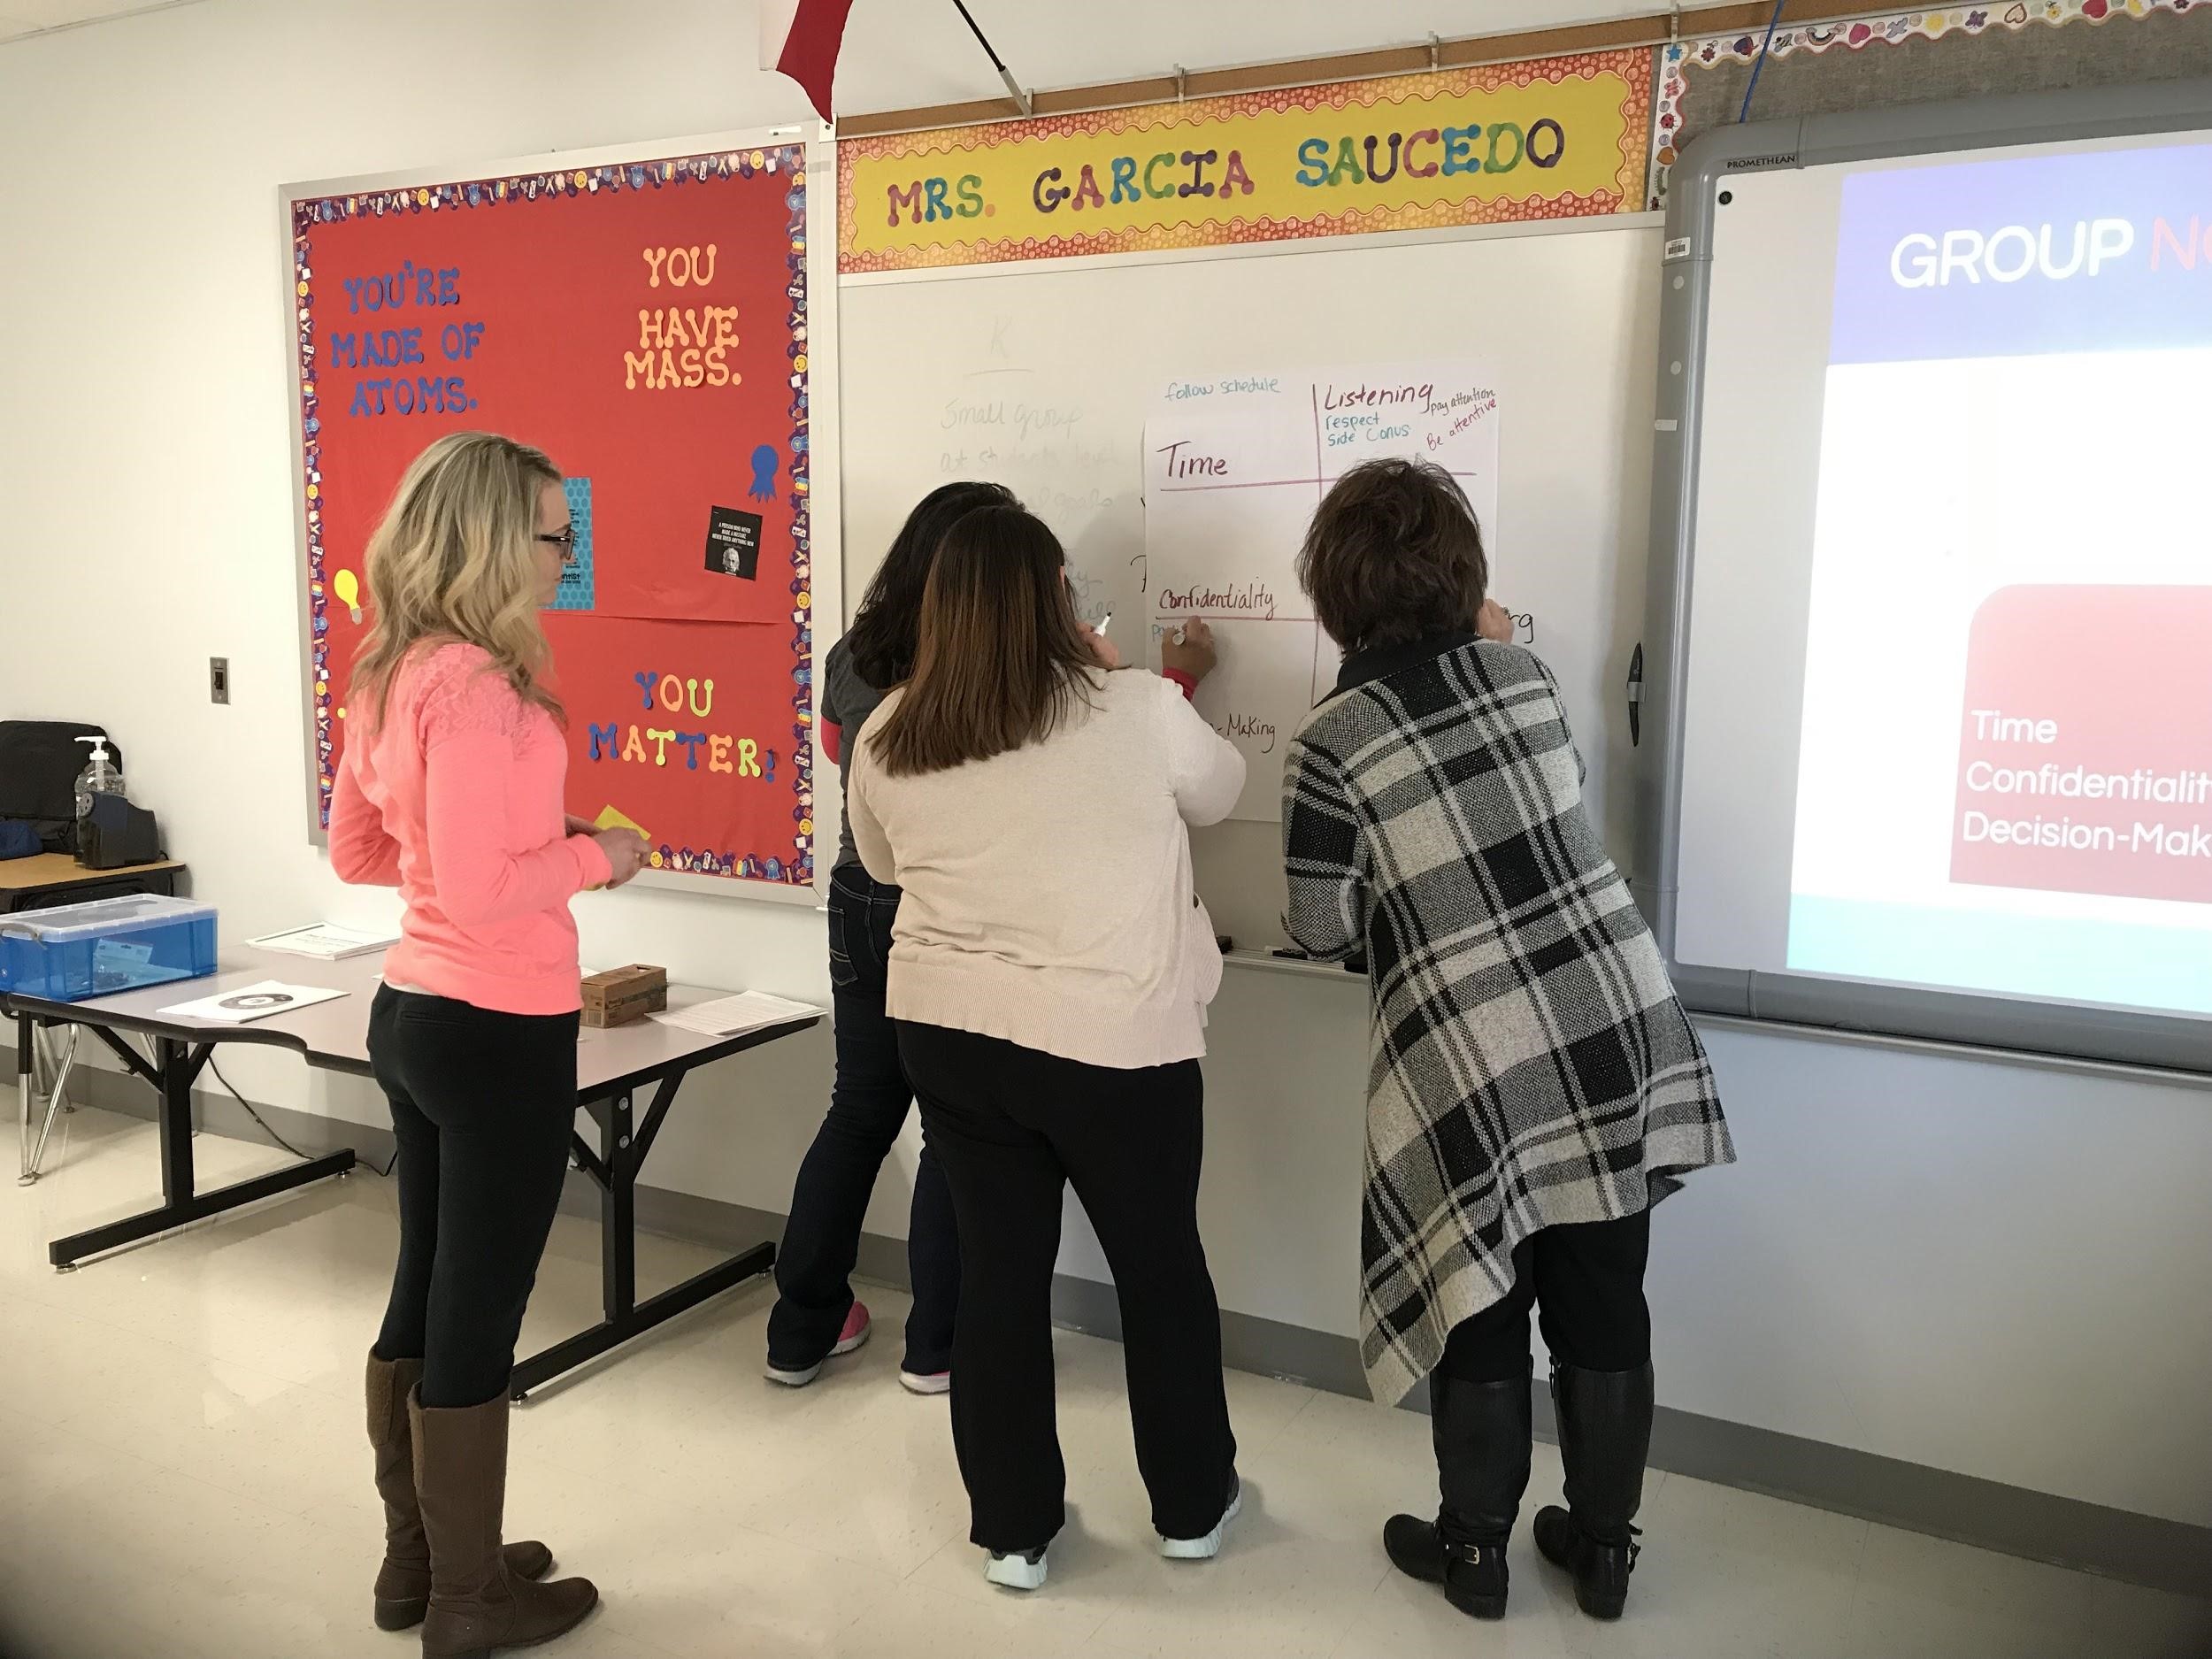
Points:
x=1049, y=898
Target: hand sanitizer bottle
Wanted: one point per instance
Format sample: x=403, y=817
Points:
x=101, y=776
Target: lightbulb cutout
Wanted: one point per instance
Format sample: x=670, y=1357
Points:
x=348, y=588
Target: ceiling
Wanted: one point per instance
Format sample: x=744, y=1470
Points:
x=900, y=54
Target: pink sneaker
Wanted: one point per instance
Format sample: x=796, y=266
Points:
x=854, y=1334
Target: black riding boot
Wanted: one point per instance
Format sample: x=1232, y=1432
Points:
x=1605, y=1436
x=1481, y=1432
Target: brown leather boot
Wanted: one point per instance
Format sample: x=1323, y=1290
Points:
x=476, y=1604
x=403, y=1584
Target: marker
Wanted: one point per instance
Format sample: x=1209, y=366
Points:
x=1636, y=697
x=1104, y=622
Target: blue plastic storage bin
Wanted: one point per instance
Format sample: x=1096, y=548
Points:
x=77, y=951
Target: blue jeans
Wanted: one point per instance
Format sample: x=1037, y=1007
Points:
x=868, y=1107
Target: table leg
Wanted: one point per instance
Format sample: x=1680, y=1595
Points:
x=26, y=1064
x=32, y=1084
x=182, y=1201
x=614, y=1166
x=618, y=1216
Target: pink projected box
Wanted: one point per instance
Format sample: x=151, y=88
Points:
x=2086, y=748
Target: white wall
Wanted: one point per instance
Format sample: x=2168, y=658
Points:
x=1984, y=1268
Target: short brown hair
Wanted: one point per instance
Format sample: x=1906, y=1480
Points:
x=999, y=658
x=1393, y=555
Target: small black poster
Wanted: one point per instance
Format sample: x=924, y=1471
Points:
x=733, y=542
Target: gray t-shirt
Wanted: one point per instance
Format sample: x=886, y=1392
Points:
x=847, y=701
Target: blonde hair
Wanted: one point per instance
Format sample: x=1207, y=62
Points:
x=454, y=560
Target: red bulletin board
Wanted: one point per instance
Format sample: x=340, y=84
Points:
x=644, y=322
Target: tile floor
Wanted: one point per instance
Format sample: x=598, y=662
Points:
x=184, y=1472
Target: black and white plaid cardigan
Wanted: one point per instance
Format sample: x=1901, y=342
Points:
x=1531, y=1065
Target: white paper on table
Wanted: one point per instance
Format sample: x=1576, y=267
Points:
x=257, y=1000
x=328, y=942
x=729, y=1016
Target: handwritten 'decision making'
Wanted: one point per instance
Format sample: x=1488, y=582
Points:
x=1248, y=728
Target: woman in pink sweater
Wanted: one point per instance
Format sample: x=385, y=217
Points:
x=450, y=789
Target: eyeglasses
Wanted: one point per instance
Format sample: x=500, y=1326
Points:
x=564, y=540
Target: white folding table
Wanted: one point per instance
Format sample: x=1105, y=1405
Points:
x=613, y=1067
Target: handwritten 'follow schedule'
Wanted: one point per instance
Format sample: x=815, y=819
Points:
x=1234, y=469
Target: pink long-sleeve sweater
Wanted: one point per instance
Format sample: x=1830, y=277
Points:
x=455, y=800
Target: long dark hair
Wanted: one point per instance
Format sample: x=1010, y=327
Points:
x=881, y=638
x=1000, y=658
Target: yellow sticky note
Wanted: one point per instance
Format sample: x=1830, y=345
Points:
x=611, y=818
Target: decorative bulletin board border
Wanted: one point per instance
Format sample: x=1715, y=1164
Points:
x=1543, y=139
x=1679, y=62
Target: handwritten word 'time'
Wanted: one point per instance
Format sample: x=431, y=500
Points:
x=1183, y=462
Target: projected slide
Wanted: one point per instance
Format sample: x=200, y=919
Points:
x=2004, y=762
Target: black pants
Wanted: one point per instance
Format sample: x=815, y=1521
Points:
x=1013, y=1127
x=1586, y=1282
x=481, y=1105
x=868, y=1106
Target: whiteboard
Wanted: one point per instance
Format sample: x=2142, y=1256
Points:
x=1040, y=377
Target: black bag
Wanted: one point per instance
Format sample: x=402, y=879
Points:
x=115, y=833
x=39, y=764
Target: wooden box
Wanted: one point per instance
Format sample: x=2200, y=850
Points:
x=622, y=995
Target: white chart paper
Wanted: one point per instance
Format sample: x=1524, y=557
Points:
x=1234, y=467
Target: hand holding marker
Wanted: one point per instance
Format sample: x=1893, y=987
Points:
x=1102, y=648
x=1189, y=649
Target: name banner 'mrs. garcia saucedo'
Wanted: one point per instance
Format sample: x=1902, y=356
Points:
x=1556, y=138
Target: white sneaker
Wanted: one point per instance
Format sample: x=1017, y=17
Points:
x=1207, y=1547
x=925, y=1382
x=1017, y=1571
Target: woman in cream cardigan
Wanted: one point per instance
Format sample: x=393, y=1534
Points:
x=1050, y=968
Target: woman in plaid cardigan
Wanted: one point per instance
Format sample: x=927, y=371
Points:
x=1534, y=1085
